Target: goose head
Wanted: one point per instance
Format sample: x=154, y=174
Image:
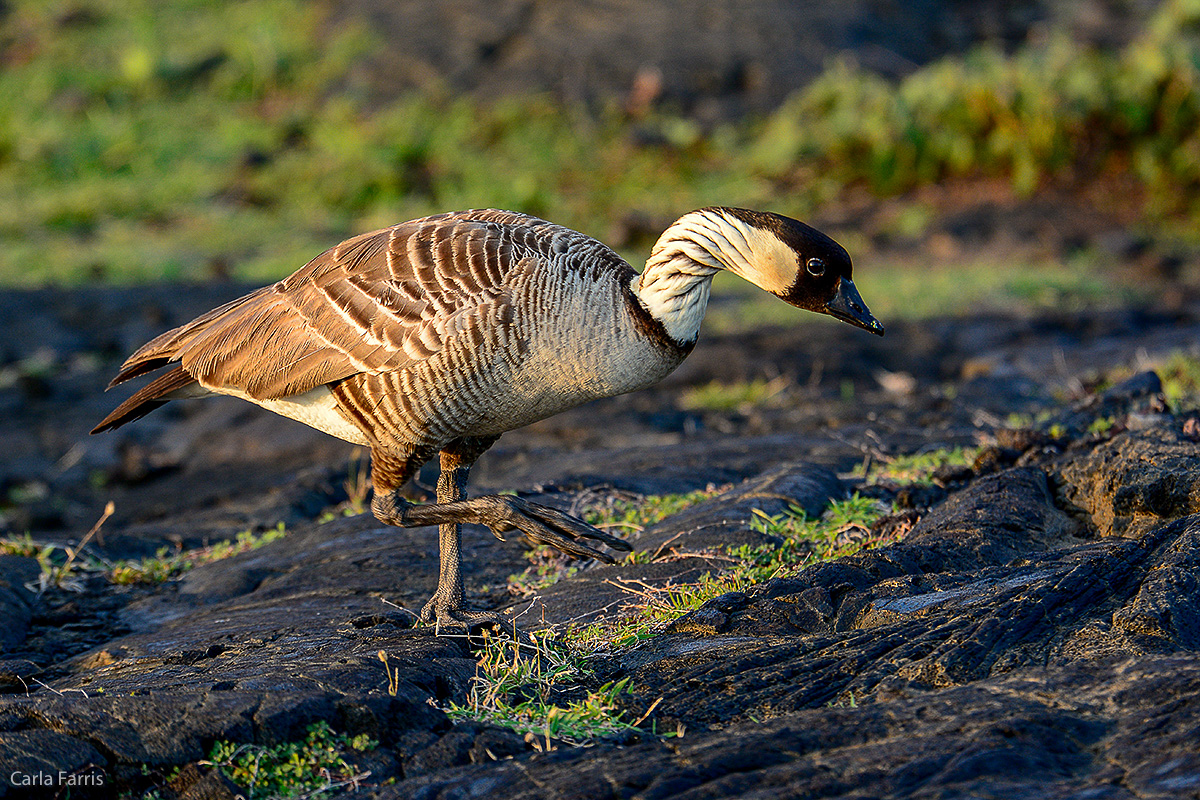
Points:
x=787, y=258
x=793, y=261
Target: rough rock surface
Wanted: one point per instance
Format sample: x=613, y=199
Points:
x=1035, y=634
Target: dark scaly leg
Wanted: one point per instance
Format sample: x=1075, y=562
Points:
x=447, y=607
x=500, y=513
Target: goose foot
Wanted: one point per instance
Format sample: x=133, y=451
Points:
x=443, y=617
x=502, y=513
x=544, y=525
x=447, y=619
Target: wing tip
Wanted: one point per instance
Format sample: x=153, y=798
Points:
x=149, y=397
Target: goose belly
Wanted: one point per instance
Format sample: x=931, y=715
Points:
x=553, y=352
x=316, y=408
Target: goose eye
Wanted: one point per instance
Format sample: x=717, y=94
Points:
x=816, y=267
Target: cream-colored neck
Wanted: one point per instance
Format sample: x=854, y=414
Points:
x=675, y=285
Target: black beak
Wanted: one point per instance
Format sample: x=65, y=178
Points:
x=847, y=306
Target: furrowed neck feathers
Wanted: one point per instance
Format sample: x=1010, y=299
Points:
x=674, y=287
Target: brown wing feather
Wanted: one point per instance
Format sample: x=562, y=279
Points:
x=373, y=303
x=160, y=351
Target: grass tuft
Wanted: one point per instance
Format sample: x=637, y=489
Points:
x=915, y=468
x=740, y=396
x=1180, y=375
x=165, y=565
x=549, y=565
x=357, y=486
x=844, y=529
x=309, y=768
x=67, y=567
x=520, y=690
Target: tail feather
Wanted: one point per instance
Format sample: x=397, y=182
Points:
x=161, y=351
x=146, y=399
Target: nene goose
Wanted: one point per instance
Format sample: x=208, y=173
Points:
x=439, y=334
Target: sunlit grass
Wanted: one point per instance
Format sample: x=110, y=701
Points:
x=844, y=529
x=1025, y=115
x=66, y=567
x=641, y=513
x=549, y=566
x=165, y=565
x=916, y=467
x=1179, y=371
x=516, y=686
x=1180, y=374
x=743, y=395
x=185, y=140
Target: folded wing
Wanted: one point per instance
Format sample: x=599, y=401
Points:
x=373, y=303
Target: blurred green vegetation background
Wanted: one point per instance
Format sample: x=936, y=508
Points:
x=189, y=140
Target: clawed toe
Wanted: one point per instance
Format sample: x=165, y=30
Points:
x=467, y=622
x=505, y=513
x=446, y=619
x=538, y=523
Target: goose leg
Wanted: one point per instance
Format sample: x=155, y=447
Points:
x=500, y=513
x=503, y=513
x=446, y=609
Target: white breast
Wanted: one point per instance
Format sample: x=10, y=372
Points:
x=581, y=344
